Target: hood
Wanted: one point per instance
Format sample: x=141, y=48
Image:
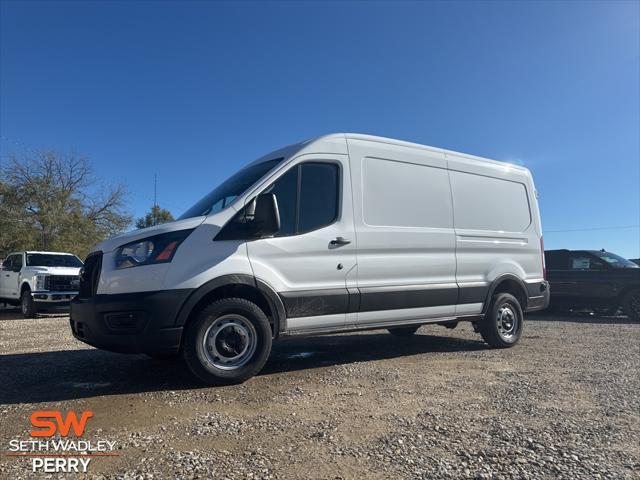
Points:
x=54, y=270
x=114, y=242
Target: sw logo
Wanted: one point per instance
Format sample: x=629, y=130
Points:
x=47, y=423
x=56, y=445
x=50, y=421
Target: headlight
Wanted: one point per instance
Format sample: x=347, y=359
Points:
x=151, y=250
x=40, y=282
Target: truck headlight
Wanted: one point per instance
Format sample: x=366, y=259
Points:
x=41, y=282
x=151, y=250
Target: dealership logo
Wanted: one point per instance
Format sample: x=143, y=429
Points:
x=44, y=420
x=56, y=446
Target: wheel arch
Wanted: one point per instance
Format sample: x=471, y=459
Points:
x=24, y=285
x=235, y=285
x=507, y=283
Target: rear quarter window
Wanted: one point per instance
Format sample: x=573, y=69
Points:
x=487, y=203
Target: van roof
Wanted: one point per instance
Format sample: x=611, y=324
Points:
x=392, y=141
x=336, y=143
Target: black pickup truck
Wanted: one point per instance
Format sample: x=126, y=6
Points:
x=593, y=279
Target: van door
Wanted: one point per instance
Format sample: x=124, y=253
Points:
x=307, y=262
x=404, y=223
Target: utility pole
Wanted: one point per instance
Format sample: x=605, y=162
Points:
x=155, y=199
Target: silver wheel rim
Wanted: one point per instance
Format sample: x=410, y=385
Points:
x=508, y=322
x=24, y=305
x=230, y=342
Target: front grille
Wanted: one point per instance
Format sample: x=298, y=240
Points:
x=61, y=283
x=90, y=275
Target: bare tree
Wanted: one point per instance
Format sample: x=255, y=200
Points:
x=52, y=201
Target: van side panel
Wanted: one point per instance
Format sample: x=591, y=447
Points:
x=404, y=227
x=496, y=226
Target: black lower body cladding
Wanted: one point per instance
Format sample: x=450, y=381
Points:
x=539, y=296
x=311, y=303
x=142, y=322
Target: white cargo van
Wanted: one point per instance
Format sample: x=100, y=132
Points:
x=343, y=232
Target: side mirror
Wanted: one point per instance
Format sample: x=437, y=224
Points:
x=266, y=218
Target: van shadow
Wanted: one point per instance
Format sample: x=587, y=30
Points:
x=74, y=374
x=580, y=317
x=12, y=313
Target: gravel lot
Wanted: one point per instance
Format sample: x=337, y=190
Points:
x=565, y=403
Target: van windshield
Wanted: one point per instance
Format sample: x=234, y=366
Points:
x=230, y=189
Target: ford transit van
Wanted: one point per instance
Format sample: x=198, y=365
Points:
x=340, y=233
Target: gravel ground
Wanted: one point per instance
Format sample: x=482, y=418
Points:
x=564, y=403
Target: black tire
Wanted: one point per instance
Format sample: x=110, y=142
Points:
x=404, y=331
x=27, y=305
x=241, y=325
x=503, y=323
x=631, y=305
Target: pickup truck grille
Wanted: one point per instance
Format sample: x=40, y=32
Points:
x=61, y=283
x=90, y=275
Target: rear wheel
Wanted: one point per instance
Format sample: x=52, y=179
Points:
x=228, y=342
x=27, y=305
x=631, y=305
x=403, y=331
x=503, y=323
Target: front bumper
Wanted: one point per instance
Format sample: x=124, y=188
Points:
x=141, y=322
x=46, y=297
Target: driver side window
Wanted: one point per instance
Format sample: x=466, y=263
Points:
x=6, y=265
x=13, y=263
x=307, y=196
x=308, y=199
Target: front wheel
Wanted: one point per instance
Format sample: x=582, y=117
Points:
x=631, y=305
x=503, y=323
x=228, y=342
x=27, y=305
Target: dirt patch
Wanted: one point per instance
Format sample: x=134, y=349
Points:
x=440, y=404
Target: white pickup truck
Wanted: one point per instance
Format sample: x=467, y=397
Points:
x=39, y=280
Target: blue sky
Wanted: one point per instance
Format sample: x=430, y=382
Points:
x=193, y=90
